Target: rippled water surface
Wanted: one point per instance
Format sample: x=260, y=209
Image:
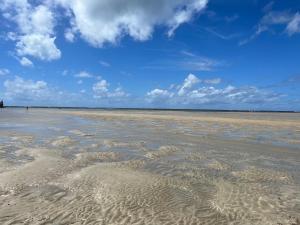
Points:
x=148, y=167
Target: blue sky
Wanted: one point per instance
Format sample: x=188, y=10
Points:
x=171, y=53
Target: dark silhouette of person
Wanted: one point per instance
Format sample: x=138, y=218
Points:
x=1, y=104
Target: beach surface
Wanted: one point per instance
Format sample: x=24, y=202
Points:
x=114, y=167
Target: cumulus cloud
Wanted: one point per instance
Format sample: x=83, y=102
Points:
x=106, y=21
x=194, y=91
x=185, y=14
x=118, y=93
x=24, y=61
x=101, y=88
x=69, y=35
x=97, y=22
x=101, y=91
x=188, y=83
x=20, y=91
x=158, y=95
x=229, y=95
x=39, y=46
x=34, y=36
x=23, y=90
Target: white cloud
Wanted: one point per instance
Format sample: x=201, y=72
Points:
x=39, y=46
x=118, y=93
x=106, y=21
x=97, y=22
x=101, y=91
x=294, y=25
x=79, y=82
x=20, y=91
x=291, y=22
x=69, y=35
x=187, y=53
x=24, y=61
x=4, y=72
x=195, y=62
x=185, y=14
x=221, y=35
x=35, y=35
x=200, y=64
x=26, y=90
x=105, y=64
x=159, y=94
x=212, y=81
x=83, y=74
x=188, y=83
x=274, y=18
x=186, y=60
x=189, y=94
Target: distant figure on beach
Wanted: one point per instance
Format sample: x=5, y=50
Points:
x=1, y=104
x=27, y=108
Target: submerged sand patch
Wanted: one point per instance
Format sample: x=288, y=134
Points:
x=163, y=151
x=111, y=193
x=86, y=158
x=62, y=141
x=80, y=133
x=149, y=168
x=263, y=175
x=218, y=165
x=252, y=204
x=119, y=144
x=45, y=167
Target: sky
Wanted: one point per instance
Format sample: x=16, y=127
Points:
x=198, y=54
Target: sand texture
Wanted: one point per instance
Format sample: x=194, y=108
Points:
x=149, y=167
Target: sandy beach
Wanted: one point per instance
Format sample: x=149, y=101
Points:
x=115, y=167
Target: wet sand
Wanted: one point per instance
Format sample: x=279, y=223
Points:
x=149, y=167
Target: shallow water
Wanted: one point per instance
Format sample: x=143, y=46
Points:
x=145, y=167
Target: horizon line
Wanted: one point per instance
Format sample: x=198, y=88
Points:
x=154, y=109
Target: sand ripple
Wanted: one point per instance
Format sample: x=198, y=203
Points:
x=62, y=142
x=119, y=144
x=163, y=151
x=250, y=204
x=45, y=166
x=127, y=196
x=263, y=175
x=206, y=171
x=217, y=165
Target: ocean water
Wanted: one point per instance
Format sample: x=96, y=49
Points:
x=149, y=167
